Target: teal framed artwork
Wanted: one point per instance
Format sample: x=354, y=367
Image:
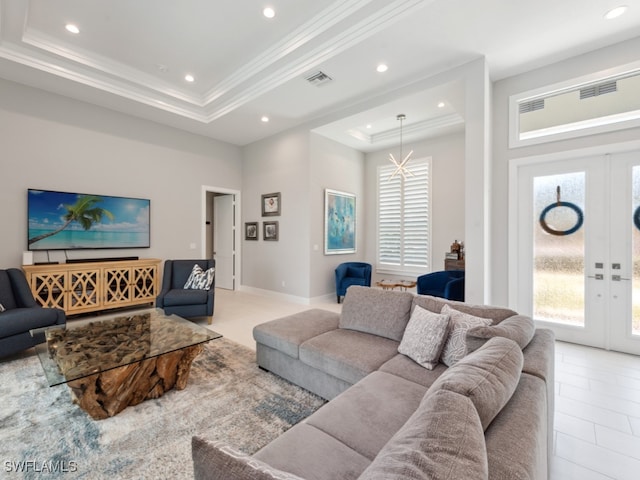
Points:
x=339, y=222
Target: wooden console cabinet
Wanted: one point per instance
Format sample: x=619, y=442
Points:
x=91, y=286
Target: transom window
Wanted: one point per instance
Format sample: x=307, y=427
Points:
x=404, y=218
x=592, y=104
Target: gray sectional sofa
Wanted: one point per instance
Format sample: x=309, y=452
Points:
x=488, y=414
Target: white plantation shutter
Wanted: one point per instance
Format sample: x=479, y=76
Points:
x=404, y=215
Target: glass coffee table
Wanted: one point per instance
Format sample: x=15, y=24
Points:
x=111, y=362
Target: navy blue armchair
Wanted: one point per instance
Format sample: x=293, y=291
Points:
x=447, y=284
x=352, y=273
x=191, y=302
x=19, y=313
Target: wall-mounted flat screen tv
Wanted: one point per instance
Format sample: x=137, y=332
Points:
x=68, y=221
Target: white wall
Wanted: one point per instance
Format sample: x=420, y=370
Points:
x=337, y=167
x=592, y=62
x=278, y=164
x=447, y=194
x=52, y=142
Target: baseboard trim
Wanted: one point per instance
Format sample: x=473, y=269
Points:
x=280, y=296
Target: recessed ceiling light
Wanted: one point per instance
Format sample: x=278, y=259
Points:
x=72, y=28
x=269, y=12
x=264, y=119
x=382, y=68
x=368, y=126
x=615, y=12
x=441, y=105
x=189, y=78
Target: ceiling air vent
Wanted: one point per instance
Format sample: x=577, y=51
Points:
x=532, y=106
x=318, y=78
x=600, y=89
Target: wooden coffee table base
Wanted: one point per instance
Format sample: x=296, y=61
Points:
x=106, y=394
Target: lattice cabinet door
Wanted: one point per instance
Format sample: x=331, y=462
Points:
x=84, y=287
x=145, y=282
x=117, y=286
x=48, y=289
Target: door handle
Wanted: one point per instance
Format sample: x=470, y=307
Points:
x=618, y=278
x=597, y=276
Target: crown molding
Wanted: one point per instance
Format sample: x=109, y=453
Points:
x=417, y=128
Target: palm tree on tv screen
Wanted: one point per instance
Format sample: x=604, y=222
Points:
x=84, y=211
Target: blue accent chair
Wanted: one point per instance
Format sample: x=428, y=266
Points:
x=21, y=314
x=174, y=299
x=352, y=273
x=447, y=284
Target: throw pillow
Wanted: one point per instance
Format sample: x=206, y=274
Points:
x=217, y=461
x=518, y=328
x=455, y=347
x=2, y=309
x=424, y=337
x=200, y=279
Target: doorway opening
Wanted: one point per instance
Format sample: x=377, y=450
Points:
x=221, y=235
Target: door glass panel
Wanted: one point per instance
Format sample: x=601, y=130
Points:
x=558, y=263
x=635, y=329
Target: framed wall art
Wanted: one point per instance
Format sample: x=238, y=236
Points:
x=270, y=231
x=339, y=222
x=251, y=231
x=271, y=204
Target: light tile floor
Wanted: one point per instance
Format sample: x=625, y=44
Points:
x=597, y=403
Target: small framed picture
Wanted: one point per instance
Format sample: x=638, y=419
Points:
x=271, y=204
x=270, y=231
x=251, y=231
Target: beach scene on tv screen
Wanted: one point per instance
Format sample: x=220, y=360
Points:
x=62, y=220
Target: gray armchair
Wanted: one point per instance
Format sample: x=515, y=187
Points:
x=175, y=299
x=19, y=313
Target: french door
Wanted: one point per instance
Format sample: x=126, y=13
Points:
x=578, y=248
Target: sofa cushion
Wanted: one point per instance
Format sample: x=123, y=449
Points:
x=180, y=296
x=403, y=367
x=455, y=348
x=347, y=354
x=382, y=313
x=488, y=376
x=518, y=328
x=434, y=304
x=517, y=441
x=287, y=333
x=443, y=439
x=313, y=455
x=358, y=272
x=424, y=337
x=366, y=416
x=217, y=461
x=21, y=320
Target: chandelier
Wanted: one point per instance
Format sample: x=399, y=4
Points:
x=401, y=163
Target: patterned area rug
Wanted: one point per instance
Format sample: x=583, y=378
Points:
x=228, y=398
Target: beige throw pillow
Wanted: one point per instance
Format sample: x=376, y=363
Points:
x=455, y=348
x=424, y=337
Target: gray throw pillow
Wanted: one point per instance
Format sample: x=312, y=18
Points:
x=199, y=278
x=455, y=348
x=424, y=337
x=217, y=461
